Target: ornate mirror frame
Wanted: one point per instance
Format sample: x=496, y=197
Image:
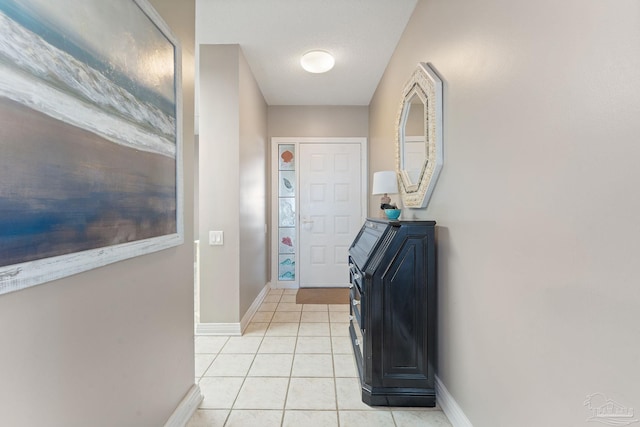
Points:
x=425, y=84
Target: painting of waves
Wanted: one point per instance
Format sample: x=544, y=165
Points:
x=88, y=133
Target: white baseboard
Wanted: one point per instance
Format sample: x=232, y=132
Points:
x=234, y=329
x=254, y=307
x=186, y=408
x=285, y=285
x=218, y=329
x=450, y=407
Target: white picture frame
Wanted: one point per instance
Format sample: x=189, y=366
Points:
x=112, y=76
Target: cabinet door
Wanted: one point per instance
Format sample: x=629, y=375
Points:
x=404, y=316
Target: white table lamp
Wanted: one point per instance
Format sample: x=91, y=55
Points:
x=385, y=183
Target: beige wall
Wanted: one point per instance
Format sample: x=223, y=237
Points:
x=112, y=346
x=219, y=151
x=253, y=187
x=232, y=150
x=320, y=121
x=537, y=212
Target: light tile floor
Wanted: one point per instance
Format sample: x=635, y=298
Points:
x=293, y=366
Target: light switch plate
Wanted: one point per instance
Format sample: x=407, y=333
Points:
x=216, y=238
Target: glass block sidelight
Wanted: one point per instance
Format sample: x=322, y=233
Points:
x=286, y=212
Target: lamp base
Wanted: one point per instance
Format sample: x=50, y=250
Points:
x=392, y=214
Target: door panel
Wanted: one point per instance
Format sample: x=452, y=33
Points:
x=330, y=211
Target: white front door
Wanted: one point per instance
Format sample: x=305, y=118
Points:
x=330, y=211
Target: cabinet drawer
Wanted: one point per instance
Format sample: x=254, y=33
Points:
x=355, y=301
x=355, y=276
x=358, y=347
x=359, y=340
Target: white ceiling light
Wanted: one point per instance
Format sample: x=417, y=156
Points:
x=317, y=61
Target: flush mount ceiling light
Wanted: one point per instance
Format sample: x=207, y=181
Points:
x=317, y=61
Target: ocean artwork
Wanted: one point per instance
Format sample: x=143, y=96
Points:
x=89, y=136
x=286, y=267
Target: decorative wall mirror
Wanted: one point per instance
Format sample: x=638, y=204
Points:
x=419, y=151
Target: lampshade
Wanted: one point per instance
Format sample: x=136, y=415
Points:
x=385, y=182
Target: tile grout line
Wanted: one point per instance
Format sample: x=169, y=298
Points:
x=212, y=360
x=295, y=347
x=333, y=360
x=286, y=395
x=284, y=403
x=244, y=379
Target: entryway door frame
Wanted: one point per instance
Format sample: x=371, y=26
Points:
x=297, y=141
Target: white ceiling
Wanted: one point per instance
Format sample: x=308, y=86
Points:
x=273, y=34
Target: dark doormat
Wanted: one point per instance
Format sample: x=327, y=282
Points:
x=322, y=296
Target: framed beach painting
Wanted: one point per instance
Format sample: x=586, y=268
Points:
x=90, y=137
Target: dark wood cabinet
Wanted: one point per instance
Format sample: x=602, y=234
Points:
x=393, y=311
